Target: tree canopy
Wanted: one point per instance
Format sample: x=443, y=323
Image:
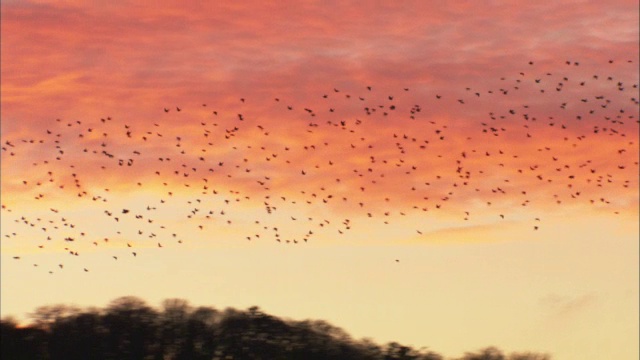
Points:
x=128, y=329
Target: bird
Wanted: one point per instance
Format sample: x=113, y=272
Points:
x=367, y=158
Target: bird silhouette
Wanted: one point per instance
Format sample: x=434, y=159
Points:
x=374, y=156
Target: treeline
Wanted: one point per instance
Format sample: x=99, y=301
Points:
x=130, y=329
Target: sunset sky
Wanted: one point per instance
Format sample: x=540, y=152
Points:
x=450, y=176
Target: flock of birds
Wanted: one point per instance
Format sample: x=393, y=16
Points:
x=285, y=172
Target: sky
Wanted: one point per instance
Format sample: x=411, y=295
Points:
x=450, y=176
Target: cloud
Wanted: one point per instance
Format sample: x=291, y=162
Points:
x=84, y=62
x=564, y=306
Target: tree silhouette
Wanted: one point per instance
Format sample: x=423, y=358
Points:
x=492, y=353
x=129, y=329
x=21, y=343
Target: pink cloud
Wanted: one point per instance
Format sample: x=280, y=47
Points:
x=129, y=62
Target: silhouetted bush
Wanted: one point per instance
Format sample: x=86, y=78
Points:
x=492, y=353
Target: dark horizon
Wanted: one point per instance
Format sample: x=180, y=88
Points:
x=128, y=328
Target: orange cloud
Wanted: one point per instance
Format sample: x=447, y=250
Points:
x=483, y=136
